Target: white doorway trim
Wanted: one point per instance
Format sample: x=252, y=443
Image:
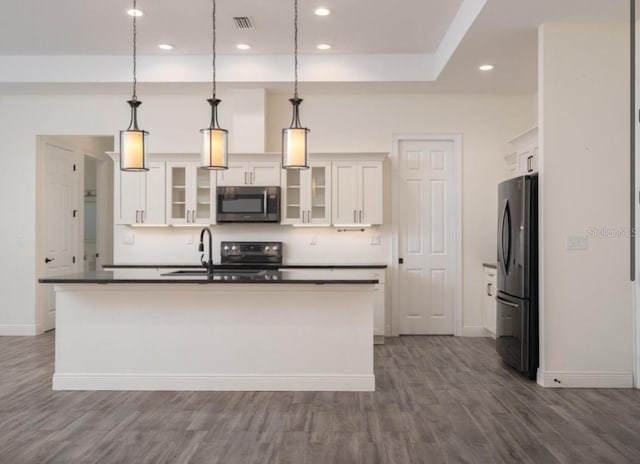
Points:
x=636, y=286
x=456, y=139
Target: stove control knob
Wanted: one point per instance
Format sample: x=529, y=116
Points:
x=267, y=248
x=226, y=247
x=233, y=248
x=274, y=247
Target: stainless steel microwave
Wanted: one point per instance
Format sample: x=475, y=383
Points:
x=248, y=204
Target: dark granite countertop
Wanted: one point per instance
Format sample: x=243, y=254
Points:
x=491, y=265
x=281, y=266
x=132, y=276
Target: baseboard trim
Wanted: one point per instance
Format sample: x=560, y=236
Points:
x=474, y=331
x=214, y=382
x=570, y=379
x=18, y=330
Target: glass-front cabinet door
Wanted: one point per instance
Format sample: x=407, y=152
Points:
x=176, y=177
x=291, y=208
x=306, y=195
x=204, y=191
x=319, y=191
x=190, y=191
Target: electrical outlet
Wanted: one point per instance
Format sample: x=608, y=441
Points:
x=374, y=240
x=313, y=240
x=129, y=239
x=577, y=242
x=190, y=239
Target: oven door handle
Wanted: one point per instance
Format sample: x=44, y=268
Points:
x=505, y=302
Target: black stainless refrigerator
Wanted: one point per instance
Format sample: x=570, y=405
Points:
x=517, y=297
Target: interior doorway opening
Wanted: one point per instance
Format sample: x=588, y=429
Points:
x=74, y=212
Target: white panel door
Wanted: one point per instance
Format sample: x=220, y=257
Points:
x=344, y=202
x=426, y=277
x=60, y=223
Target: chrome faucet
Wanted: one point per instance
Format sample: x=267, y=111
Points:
x=206, y=264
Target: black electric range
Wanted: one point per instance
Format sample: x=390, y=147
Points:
x=249, y=261
x=244, y=261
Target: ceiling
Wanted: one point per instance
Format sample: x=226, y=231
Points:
x=377, y=45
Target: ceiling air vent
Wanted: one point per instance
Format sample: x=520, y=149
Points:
x=243, y=23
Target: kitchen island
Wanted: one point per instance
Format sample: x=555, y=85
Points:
x=145, y=329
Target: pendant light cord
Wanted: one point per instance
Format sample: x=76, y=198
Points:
x=295, y=51
x=213, y=46
x=135, y=51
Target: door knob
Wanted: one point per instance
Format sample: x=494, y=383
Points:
x=48, y=260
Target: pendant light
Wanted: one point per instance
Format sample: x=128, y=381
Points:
x=133, y=141
x=214, y=139
x=295, y=138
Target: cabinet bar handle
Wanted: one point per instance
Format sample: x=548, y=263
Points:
x=188, y=212
x=529, y=159
x=354, y=216
x=360, y=216
x=137, y=216
x=142, y=216
x=251, y=174
x=488, y=289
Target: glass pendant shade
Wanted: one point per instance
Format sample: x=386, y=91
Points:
x=214, y=153
x=133, y=143
x=295, y=141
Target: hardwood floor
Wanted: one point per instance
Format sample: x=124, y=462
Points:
x=438, y=399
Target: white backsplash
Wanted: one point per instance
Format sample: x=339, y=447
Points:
x=179, y=245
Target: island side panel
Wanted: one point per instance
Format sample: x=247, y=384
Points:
x=214, y=337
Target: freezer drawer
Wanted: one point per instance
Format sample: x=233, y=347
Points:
x=516, y=334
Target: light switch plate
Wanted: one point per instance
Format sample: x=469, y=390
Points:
x=129, y=239
x=313, y=240
x=577, y=242
x=374, y=240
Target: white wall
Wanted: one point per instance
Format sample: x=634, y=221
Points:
x=587, y=296
x=367, y=122
x=339, y=123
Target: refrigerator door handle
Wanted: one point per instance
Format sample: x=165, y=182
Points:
x=505, y=302
x=501, y=247
x=506, y=256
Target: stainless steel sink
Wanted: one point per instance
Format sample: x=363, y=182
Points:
x=195, y=272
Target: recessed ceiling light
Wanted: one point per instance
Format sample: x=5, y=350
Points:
x=322, y=12
x=243, y=46
x=323, y=46
x=486, y=67
x=166, y=46
x=133, y=12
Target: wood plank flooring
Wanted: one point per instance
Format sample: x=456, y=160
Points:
x=438, y=400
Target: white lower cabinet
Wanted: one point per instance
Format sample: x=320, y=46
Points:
x=190, y=194
x=489, y=299
x=139, y=196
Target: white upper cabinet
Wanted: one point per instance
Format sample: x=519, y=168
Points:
x=256, y=173
x=357, y=192
x=190, y=194
x=306, y=195
x=523, y=155
x=139, y=196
